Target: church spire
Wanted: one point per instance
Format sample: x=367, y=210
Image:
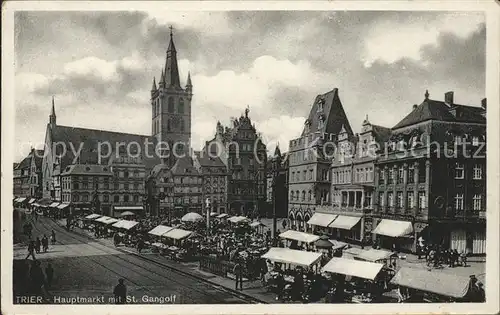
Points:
x=162, y=79
x=188, y=83
x=171, y=67
x=153, y=88
x=52, y=117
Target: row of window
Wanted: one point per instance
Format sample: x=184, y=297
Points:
x=398, y=202
x=302, y=156
x=115, y=186
x=192, y=200
x=175, y=124
x=182, y=180
x=361, y=175
x=157, y=105
x=66, y=197
x=356, y=199
x=247, y=191
x=308, y=196
x=477, y=171
x=477, y=202
x=306, y=175
x=392, y=175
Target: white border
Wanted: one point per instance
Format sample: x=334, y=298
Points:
x=492, y=11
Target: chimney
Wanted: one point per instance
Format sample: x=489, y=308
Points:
x=415, y=106
x=483, y=103
x=448, y=98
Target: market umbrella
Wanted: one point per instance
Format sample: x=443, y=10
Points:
x=127, y=214
x=323, y=242
x=192, y=217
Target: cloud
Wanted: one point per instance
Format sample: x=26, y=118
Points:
x=392, y=40
x=209, y=23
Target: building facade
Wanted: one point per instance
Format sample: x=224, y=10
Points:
x=310, y=158
x=215, y=181
x=27, y=176
x=281, y=184
x=430, y=181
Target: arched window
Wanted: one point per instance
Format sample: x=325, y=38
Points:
x=168, y=124
x=297, y=194
x=309, y=195
x=303, y=195
x=182, y=124
x=180, y=108
x=170, y=104
x=291, y=195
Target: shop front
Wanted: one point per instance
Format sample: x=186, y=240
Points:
x=348, y=228
x=469, y=238
x=395, y=235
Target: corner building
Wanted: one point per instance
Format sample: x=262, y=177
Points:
x=431, y=179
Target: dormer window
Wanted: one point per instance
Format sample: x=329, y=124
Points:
x=321, y=104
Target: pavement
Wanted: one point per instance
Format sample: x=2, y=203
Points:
x=88, y=269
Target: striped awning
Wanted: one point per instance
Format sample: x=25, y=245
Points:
x=322, y=219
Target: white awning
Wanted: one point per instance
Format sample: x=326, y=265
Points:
x=54, y=204
x=299, y=236
x=177, y=234
x=430, y=281
x=128, y=208
x=222, y=215
x=256, y=223
x=31, y=200
x=337, y=244
x=393, y=228
x=102, y=219
x=351, y=267
x=92, y=216
x=160, y=230
x=375, y=255
x=125, y=224
x=354, y=251
x=111, y=220
x=322, y=219
x=238, y=219
x=20, y=199
x=62, y=205
x=292, y=256
x=344, y=222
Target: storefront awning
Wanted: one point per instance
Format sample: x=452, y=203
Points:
x=299, y=236
x=375, y=255
x=344, y=222
x=354, y=268
x=292, y=256
x=20, y=199
x=62, y=205
x=393, y=228
x=177, y=234
x=31, y=200
x=222, y=215
x=54, y=204
x=160, y=230
x=440, y=283
x=129, y=208
x=92, y=216
x=125, y=224
x=322, y=219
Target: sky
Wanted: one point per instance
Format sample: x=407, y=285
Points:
x=99, y=66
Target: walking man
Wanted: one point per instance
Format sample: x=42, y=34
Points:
x=120, y=292
x=238, y=273
x=53, y=237
x=38, y=244
x=31, y=250
x=45, y=243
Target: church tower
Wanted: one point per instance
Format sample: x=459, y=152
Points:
x=171, y=108
x=52, y=116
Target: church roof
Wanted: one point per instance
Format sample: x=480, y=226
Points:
x=90, y=139
x=438, y=110
x=171, y=67
x=207, y=161
x=184, y=166
x=38, y=156
x=333, y=115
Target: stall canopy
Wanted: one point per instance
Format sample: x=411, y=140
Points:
x=344, y=222
x=292, y=256
x=354, y=268
x=238, y=219
x=299, y=236
x=160, y=230
x=440, y=283
x=31, y=200
x=192, y=217
x=375, y=255
x=62, y=205
x=54, y=204
x=128, y=208
x=322, y=219
x=111, y=220
x=256, y=224
x=222, y=215
x=353, y=251
x=102, y=219
x=337, y=244
x=177, y=234
x=393, y=228
x=92, y=216
x=125, y=224
x=20, y=199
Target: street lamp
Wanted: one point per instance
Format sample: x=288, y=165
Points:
x=207, y=209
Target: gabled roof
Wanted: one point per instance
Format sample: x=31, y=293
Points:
x=333, y=114
x=207, y=161
x=73, y=137
x=382, y=134
x=184, y=166
x=440, y=111
x=38, y=159
x=25, y=163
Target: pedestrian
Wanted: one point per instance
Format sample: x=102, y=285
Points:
x=45, y=243
x=238, y=273
x=38, y=244
x=399, y=295
x=31, y=250
x=49, y=272
x=120, y=292
x=456, y=257
x=463, y=258
x=53, y=237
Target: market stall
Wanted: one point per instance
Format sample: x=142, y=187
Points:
x=292, y=257
x=298, y=237
x=180, y=251
x=433, y=286
x=238, y=219
x=377, y=255
x=222, y=216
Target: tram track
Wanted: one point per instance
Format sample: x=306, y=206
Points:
x=143, y=271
